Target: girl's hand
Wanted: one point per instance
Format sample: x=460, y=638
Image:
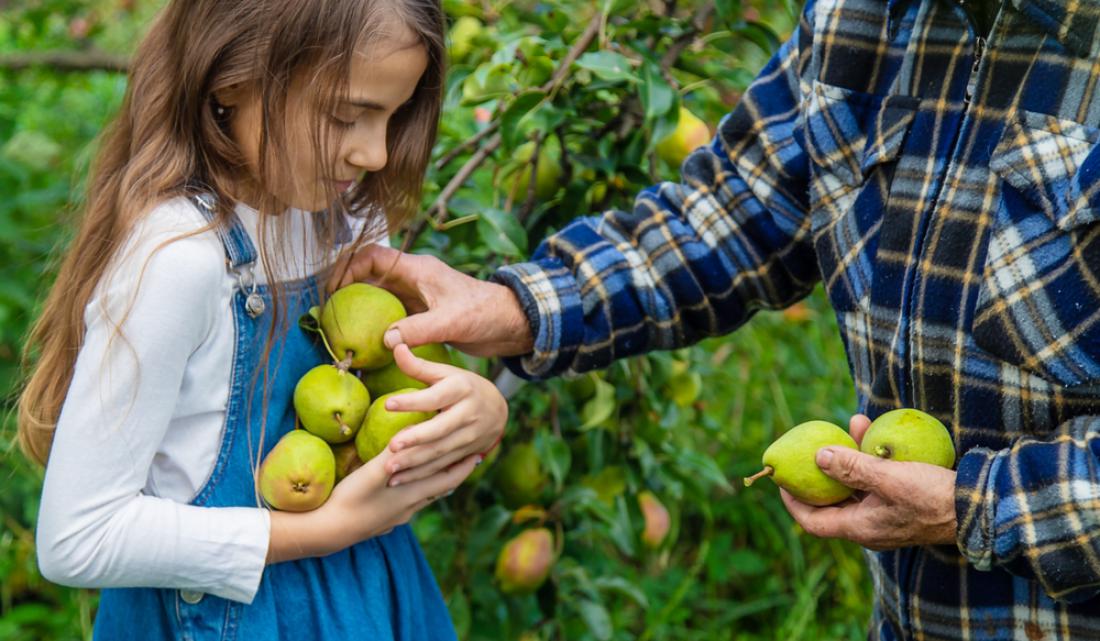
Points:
x=471, y=419
x=360, y=507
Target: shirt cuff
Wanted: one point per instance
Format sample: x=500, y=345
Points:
x=551, y=300
x=976, y=506
x=244, y=556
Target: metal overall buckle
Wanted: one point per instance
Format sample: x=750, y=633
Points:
x=254, y=303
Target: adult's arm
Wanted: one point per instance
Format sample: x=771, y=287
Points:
x=692, y=259
x=1034, y=509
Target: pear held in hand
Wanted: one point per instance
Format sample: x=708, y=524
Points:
x=297, y=475
x=353, y=321
x=347, y=460
x=790, y=461
x=381, y=425
x=910, y=435
x=331, y=403
x=390, y=378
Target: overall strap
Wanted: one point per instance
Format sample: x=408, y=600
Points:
x=240, y=253
x=239, y=250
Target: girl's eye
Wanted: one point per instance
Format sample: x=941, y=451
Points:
x=342, y=124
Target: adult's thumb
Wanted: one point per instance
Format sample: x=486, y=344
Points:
x=418, y=329
x=851, y=467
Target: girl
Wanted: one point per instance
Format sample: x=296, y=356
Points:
x=256, y=140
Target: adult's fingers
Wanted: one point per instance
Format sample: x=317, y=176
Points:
x=853, y=468
x=858, y=426
x=826, y=522
x=368, y=264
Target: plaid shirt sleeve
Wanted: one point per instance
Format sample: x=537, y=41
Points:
x=693, y=259
x=1034, y=509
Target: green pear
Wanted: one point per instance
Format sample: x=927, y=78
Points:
x=547, y=175
x=690, y=134
x=347, y=459
x=480, y=470
x=525, y=561
x=790, y=461
x=297, y=475
x=520, y=477
x=331, y=403
x=463, y=34
x=381, y=425
x=390, y=378
x=910, y=435
x=353, y=321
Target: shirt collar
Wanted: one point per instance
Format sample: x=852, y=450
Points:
x=1075, y=28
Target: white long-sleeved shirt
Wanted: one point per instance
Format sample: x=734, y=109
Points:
x=142, y=422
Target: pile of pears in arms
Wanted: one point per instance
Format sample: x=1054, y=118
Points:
x=899, y=435
x=343, y=416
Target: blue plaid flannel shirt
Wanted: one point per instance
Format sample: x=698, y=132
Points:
x=946, y=190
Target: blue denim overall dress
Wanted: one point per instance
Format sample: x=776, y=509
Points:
x=376, y=590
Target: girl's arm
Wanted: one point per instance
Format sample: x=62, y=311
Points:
x=97, y=528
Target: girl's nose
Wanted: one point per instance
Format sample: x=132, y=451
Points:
x=369, y=152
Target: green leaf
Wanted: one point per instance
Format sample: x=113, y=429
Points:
x=658, y=97
x=608, y=65
x=694, y=465
x=600, y=407
x=622, y=586
x=511, y=120
x=502, y=233
x=554, y=453
x=596, y=618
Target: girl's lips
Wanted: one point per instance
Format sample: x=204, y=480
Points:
x=344, y=185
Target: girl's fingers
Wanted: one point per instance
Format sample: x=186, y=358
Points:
x=437, y=397
x=424, y=470
x=429, y=431
x=421, y=369
x=426, y=490
x=462, y=442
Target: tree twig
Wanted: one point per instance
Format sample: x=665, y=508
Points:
x=65, y=61
x=698, y=25
x=438, y=209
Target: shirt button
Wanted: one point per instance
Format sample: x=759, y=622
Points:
x=191, y=596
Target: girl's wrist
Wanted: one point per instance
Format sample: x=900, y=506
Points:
x=299, y=535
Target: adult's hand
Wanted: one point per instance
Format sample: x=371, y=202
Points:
x=897, y=504
x=445, y=305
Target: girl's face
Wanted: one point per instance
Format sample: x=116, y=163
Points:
x=381, y=80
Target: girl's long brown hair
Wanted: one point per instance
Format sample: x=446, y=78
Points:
x=168, y=140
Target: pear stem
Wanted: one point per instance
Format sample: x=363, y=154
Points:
x=767, y=471
x=345, y=364
x=345, y=429
x=884, y=451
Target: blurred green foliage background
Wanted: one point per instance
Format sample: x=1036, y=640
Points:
x=684, y=426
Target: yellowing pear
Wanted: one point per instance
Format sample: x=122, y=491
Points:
x=347, y=459
x=390, y=378
x=525, y=561
x=690, y=134
x=910, y=435
x=790, y=461
x=331, y=403
x=353, y=321
x=297, y=475
x=381, y=425
x=657, y=521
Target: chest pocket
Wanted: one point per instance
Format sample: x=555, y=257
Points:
x=854, y=140
x=1039, y=299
